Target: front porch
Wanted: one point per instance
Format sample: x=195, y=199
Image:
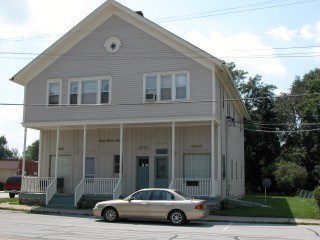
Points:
x=108, y=162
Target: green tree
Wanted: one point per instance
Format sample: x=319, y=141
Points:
x=32, y=151
x=301, y=113
x=290, y=176
x=4, y=150
x=262, y=147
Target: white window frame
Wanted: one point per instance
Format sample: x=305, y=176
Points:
x=56, y=80
x=173, y=86
x=99, y=80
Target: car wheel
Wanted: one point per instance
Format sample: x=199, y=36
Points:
x=177, y=217
x=11, y=195
x=110, y=214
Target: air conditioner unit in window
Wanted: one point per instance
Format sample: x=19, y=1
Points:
x=150, y=97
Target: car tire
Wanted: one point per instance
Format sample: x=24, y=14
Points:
x=110, y=214
x=177, y=217
x=11, y=195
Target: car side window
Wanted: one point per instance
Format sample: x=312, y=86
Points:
x=162, y=195
x=142, y=195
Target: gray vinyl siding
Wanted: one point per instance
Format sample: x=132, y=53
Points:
x=140, y=53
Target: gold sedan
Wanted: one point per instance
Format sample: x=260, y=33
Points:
x=153, y=203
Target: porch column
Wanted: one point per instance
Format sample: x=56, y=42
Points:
x=213, y=187
x=24, y=157
x=121, y=151
x=173, y=149
x=84, y=151
x=57, y=152
x=39, y=153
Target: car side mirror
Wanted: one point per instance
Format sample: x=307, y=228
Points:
x=130, y=199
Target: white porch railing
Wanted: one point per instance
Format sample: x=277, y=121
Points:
x=117, y=190
x=95, y=186
x=193, y=186
x=100, y=185
x=51, y=190
x=78, y=192
x=36, y=184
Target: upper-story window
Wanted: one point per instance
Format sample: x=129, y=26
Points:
x=169, y=86
x=95, y=90
x=54, y=92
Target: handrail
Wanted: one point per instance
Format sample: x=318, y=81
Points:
x=51, y=190
x=117, y=190
x=78, y=192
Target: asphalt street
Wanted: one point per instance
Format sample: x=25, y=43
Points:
x=18, y=225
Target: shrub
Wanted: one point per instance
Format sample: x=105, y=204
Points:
x=316, y=194
x=290, y=176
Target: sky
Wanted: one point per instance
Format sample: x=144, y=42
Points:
x=278, y=39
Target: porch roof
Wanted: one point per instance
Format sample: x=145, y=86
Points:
x=152, y=122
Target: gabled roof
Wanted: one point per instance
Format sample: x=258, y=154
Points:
x=99, y=16
x=9, y=164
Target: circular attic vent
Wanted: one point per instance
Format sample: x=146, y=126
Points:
x=112, y=44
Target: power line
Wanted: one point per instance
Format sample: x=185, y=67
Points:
x=237, y=11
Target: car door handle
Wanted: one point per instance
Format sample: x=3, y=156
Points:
x=144, y=203
x=168, y=204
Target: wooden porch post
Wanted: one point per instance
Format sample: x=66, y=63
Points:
x=213, y=187
x=24, y=156
x=84, y=151
x=57, y=152
x=39, y=153
x=173, y=149
x=121, y=151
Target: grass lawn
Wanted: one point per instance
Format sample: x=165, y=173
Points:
x=281, y=206
x=14, y=201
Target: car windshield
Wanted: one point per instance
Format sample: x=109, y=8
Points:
x=184, y=195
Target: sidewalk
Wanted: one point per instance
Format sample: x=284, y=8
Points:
x=211, y=218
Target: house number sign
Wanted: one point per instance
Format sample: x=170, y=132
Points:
x=196, y=146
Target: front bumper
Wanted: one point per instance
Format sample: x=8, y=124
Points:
x=97, y=211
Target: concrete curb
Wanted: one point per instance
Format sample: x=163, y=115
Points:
x=211, y=218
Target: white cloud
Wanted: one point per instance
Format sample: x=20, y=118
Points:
x=245, y=49
x=282, y=33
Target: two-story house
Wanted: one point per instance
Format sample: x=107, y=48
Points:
x=123, y=104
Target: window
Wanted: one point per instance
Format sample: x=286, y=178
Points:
x=74, y=86
x=105, y=91
x=169, y=86
x=90, y=167
x=142, y=195
x=116, y=164
x=151, y=87
x=64, y=166
x=89, y=92
x=54, y=90
x=159, y=195
x=166, y=85
x=181, y=86
x=94, y=90
x=197, y=165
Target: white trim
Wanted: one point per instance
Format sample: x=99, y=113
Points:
x=173, y=149
x=84, y=151
x=24, y=155
x=121, y=152
x=80, y=80
x=57, y=153
x=124, y=121
x=40, y=153
x=55, y=80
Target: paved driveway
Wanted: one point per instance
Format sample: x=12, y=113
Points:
x=5, y=195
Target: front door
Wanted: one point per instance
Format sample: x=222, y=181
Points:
x=142, y=172
x=161, y=172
